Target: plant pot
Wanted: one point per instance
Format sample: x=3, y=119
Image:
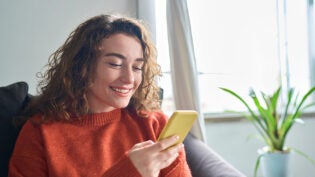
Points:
x=275, y=164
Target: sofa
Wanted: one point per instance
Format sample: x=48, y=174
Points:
x=202, y=160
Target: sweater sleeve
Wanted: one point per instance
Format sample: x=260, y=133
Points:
x=123, y=168
x=179, y=168
x=28, y=158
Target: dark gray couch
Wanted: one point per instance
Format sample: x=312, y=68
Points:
x=203, y=161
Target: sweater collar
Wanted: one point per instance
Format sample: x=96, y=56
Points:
x=99, y=119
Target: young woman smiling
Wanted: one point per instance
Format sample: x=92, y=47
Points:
x=98, y=111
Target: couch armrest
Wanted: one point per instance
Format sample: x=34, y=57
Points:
x=204, y=162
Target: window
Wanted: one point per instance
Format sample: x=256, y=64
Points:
x=240, y=45
x=163, y=57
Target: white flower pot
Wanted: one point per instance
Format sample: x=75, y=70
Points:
x=275, y=164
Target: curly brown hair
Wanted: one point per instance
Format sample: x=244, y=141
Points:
x=71, y=69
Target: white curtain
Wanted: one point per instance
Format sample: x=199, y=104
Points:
x=183, y=65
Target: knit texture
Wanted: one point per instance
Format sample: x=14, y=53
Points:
x=95, y=146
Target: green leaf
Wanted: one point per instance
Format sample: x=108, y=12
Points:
x=287, y=106
x=304, y=155
x=307, y=106
x=275, y=98
x=253, y=118
x=297, y=112
x=270, y=122
x=257, y=164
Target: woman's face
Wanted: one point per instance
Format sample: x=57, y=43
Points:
x=118, y=73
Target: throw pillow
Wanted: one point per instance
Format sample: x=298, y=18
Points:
x=12, y=100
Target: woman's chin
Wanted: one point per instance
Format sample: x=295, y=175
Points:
x=122, y=105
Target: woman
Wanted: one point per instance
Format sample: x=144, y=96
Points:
x=98, y=111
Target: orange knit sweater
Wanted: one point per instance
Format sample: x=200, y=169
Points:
x=95, y=146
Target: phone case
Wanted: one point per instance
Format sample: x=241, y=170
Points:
x=179, y=124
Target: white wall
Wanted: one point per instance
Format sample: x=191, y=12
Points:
x=31, y=30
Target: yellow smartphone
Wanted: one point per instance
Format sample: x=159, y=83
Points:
x=179, y=124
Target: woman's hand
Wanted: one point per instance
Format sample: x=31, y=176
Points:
x=149, y=157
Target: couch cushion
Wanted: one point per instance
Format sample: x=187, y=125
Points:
x=12, y=100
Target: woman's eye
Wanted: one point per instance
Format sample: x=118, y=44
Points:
x=138, y=68
x=115, y=65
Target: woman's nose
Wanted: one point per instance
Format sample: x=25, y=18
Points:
x=128, y=75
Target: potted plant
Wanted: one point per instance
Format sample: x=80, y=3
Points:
x=273, y=121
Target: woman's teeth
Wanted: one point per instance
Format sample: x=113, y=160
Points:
x=121, y=90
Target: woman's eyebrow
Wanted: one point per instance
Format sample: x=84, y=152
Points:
x=115, y=55
x=121, y=56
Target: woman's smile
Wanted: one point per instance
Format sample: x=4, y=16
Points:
x=121, y=90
